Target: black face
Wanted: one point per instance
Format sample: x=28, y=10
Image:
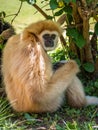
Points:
x=49, y=39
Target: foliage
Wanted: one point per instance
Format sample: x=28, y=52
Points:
x=88, y=67
x=78, y=39
x=5, y=115
x=58, y=55
x=96, y=28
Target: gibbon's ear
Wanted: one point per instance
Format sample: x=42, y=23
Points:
x=29, y=36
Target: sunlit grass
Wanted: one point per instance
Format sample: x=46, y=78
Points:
x=4, y=111
x=26, y=16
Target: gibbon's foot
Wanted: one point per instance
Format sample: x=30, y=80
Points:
x=91, y=100
x=75, y=94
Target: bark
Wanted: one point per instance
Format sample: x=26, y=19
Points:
x=78, y=22
x=93, y=42
x=85, y=15
x=40, y=11
x=87, y=48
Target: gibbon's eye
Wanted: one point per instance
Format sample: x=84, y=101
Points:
x=45, y=36
x=53, y=36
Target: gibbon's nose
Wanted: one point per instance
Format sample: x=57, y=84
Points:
x=49, y=43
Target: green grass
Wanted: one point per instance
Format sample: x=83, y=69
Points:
x=65, y=118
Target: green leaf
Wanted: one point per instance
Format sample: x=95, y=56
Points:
x=80, y=41
x=78, y=61
x=70, y=18
x=49, y=17
x=1, y=46
x=74, y=1
x=68, y=1
x=72, y=33
x=59, y=127
x=89, y=1
x=96, y=28
x=27, y=116
x=53, y=4
x=89, y=67
x=96, y=84
x=67, y=9
x=91, y=33
x=58, y=12
x=76, y=36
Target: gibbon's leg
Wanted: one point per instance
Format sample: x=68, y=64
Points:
x=52, y=99
x=49, y=98
x=74, y=93
x=76, y=96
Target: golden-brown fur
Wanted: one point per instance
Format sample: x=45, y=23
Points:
x=30, y=83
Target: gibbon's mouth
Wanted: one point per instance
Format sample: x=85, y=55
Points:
x=49, y=43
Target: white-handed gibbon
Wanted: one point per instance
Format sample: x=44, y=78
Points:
x=30, y=83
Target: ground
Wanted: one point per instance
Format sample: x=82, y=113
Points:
x=65, y=118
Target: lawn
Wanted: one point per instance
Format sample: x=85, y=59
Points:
x=26, y=16
x=66, y=118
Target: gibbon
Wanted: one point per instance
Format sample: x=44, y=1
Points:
x=31, y=84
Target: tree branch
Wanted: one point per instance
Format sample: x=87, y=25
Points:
x=85, y=17
x=6, y=34
x=62, y=19
x=95, y=16
x=84, y=3
x=40, y=10
x=17, y=12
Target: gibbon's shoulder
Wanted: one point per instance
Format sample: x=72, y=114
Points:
x=14, y=37
x=13, y=41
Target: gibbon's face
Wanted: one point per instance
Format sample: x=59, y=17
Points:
x=49, y=40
